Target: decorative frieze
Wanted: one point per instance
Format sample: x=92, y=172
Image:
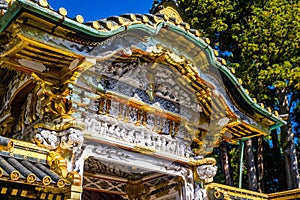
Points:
x=104, y=185
x=104, y=126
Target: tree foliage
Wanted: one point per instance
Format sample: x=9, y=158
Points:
x=260, y=39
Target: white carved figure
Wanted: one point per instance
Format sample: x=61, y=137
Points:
x=142, y=138
x=93, y=125
x=189, y=186
x=130, y=136
x=177, y=150
x=122, y=134
x=148, y=141
x=207, y=172
x=104, y=129
x=163, y=146
x=117, y=133
x=158, y=143
x=47, y=138
x=172, y=147
x=111, y=130
x=72, y=139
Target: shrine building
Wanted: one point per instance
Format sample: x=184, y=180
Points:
x=126, y=107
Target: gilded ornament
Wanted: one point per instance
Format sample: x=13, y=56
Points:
x=170, y=12
x=62, y=11
x=43, y=3
x=79, y=19
x=96, y=25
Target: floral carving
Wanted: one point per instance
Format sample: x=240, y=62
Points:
x=70, y=139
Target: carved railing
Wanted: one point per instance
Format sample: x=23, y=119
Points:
x=219, y=191
x=139, y=124
x=141, y=114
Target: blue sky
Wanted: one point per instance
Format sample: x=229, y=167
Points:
x=98, y=9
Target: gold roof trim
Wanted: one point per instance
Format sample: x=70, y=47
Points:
x=170, y=12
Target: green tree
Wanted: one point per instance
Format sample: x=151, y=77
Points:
x=263, y=40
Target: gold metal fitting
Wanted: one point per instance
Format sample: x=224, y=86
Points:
x=207, y=40
x=109, y=25
x=79, y=19
x=43, y=3
x=187, y=27
x=145, y=19
x=132, y=17
x=46, y=180
x=177, y=21
x=240, y=81
x=232, y=70
x=61, y=183
x=197, y=33
x=15, y=175
x=31, y=178
x=96, y=25
x=217, y=194
x=121, y=20
x=155, y=19
x=216, y=52
x=62, y=11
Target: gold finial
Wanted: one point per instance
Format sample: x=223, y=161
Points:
x=247, y=91
x=62, y=11
x=262, y=105
x=79, y=19
x=254, y=100
x=170, y=12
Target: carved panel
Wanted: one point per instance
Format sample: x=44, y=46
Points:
x=104, y=126
x=100, y=184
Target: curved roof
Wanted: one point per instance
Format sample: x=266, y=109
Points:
x=91, y=34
